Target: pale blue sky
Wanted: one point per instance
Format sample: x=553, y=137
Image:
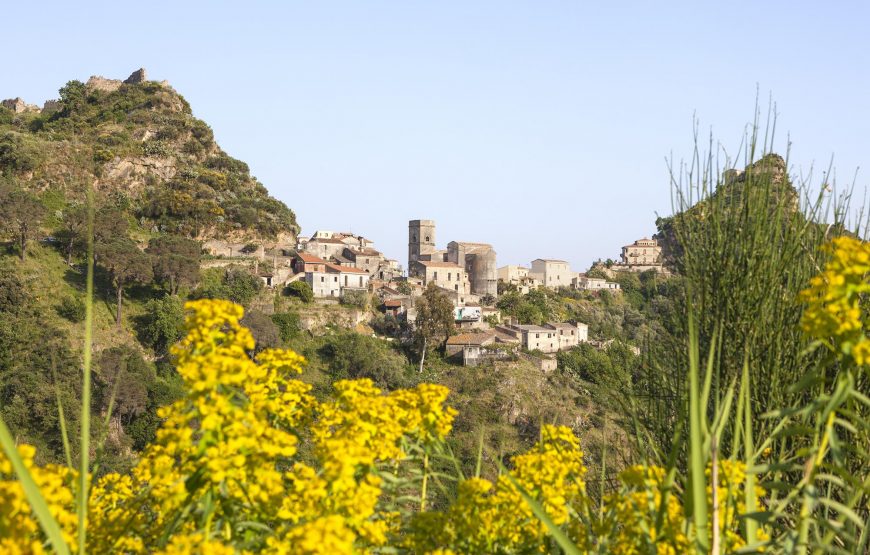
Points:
x=539, y=126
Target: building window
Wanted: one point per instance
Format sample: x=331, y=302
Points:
x=427, y=238
x=456, y=287
x=435, y=276
x=449, y=276
x=537, y=336
x=321, y=279
x=360, y=281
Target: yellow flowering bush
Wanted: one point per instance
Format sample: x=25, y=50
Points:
x=836, y=301
x=225, y=473
x=250, y=462
x=494, y=518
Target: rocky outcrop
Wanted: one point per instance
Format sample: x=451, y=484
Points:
x=136, y=77
x=51, y=106
x=100, y=83
x=18, y=106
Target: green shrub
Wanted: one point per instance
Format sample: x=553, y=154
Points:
x=358, y=299
x=288, y=325
x=72, y=308
x=162, y=323
x=300, y=290
x=235, y=285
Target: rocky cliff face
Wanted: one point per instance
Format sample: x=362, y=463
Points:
x=138, y=143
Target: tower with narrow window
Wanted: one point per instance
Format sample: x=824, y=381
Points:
x=421, y=240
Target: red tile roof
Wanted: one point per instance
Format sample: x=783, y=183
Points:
x=344, y=269
x=392, y=303
x=310, y=258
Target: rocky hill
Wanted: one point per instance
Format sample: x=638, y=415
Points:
x=137, y=142
x=764, y=182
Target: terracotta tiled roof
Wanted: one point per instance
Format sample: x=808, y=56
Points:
x=310, y=258
x=470, y=339
x=393, y=303
x=550, y=260
x=344, y=269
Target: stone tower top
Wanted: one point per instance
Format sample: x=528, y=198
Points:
x=421, y=239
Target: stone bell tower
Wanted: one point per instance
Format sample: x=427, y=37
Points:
x=421, y=240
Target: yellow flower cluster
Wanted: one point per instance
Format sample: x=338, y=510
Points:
x=494, y=518
x=250, y=462
x=837, y=300
x=642, y=517
x=19, y=530
x=225, y=474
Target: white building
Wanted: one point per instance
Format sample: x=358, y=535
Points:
x=552, y=273
x=593, y=284
x=329, y=280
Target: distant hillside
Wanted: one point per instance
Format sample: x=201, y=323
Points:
x=138, y=143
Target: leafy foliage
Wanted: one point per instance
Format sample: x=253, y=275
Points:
x=235, y=285
x=301, y=290
x=176, y=261
x=434, y=323
x=162, y=323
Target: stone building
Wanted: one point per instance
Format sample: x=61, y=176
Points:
x=479, y=261
x=327, y=279
x=520, y=277
x=446, y=275
x=552, y=273
x=476, y=261
x=512, y=274
x=548, y=338
x=643, y=254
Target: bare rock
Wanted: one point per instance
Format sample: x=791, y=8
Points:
x=18, y=106
x=51, y=106
x=100, y=83
x=136, y=77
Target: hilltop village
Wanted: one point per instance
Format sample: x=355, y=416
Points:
x=340, y=266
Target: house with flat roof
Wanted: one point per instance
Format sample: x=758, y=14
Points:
x=551, y=272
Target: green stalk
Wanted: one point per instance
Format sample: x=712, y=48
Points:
x=696, y=442
x=86, y=383
x=748, y=457
x=425, y=479
x=64, y=434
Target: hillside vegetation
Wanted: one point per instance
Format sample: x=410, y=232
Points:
x=146, y=154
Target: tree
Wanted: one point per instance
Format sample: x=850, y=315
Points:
x=162, y=324
x=126, y=264
x=21, y=213
x=73, y=230
x=352, y=356
x=597, y=272
x=109, y=225
x=125, y=378
x=235, y=285
x=435, y=321
x=403, y=287
x=176, y=260
x=288, y=325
